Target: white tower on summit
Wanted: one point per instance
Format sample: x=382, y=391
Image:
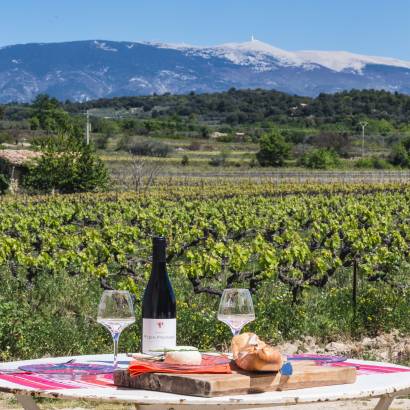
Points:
x=253, y=38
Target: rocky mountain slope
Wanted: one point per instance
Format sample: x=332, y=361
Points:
x=83, y=70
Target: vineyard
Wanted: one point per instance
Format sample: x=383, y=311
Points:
x=326, y=260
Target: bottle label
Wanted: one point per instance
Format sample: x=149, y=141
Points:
x=158, y=334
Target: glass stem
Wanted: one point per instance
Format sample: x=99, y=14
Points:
x=116, y=338
x=236, y=332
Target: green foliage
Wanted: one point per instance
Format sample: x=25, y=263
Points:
x=5, y=137
x=227, y=138
x=295, y=252
x=67, y=165
x=103, y=129
x=4, y=183
x=64, y=319
x=320, y=159
x=273, y=149
x=338, y=142
x=220, y=160
x=379, y=126
x=295, y=136
x=108, y=128
x=373, y=162
x=382, y=109
x=400, y=154
x=185, y=160
x=150, y=148
x=34, y=123
x=48, y=115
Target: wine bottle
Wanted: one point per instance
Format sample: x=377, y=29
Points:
x=158, y=305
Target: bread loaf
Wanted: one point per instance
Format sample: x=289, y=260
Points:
x=252, y=354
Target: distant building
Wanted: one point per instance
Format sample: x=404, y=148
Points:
x=14, y=164
x=216, y=135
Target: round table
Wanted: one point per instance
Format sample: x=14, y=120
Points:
x=384, y=386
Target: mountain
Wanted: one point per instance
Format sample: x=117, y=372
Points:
x=83, y=70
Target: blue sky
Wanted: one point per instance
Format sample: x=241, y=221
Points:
x=378, y=27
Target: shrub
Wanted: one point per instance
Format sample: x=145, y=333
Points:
x=220, y=160
x=68, y=166
x=273, y=149
x=100, y=141
x=253, y=163
x=319, y=159
x=150, y=149
x=185, y=160
x=400, y=156
x=217, y=162
x=337, y=142
x=373, y=162
x=64, y=320
x=5, y=137
x=294, y=136
x=227, y=138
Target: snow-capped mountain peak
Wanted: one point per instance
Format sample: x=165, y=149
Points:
x=82, y=70
x=258, y=52
x=239, y=53
x=343, y=60
x=255, y=46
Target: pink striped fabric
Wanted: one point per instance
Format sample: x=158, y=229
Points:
x=58, y=382
x=365, y=369
x=105, y=380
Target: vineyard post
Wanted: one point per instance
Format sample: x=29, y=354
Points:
x=354, y=289
x=363, y=124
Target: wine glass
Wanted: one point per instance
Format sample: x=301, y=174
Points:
x=116, y=312
x=236, y=309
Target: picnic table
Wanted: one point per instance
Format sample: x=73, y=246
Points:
x=386, y=382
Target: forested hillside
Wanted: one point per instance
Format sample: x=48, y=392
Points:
x=250, y=106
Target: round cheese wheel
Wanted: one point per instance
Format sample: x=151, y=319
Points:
x=183, y=355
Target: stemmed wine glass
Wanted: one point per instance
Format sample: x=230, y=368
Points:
x=116, y=312
x=236, y=309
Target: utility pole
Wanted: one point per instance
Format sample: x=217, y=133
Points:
x=87, y=129
x=363, y=124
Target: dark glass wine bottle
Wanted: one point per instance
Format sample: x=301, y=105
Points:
x=158, y=305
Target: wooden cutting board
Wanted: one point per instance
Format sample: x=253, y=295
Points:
x=305, y=374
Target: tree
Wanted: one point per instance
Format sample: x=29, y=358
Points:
x=400, y=154
x=338, y=142
x=49, y=116
x=67, y=165
x=273, y=149
x=294, y=136
x=2, y=112
x=220, y=160
x=185, y=160
x=320, y=159
x=34, y=123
